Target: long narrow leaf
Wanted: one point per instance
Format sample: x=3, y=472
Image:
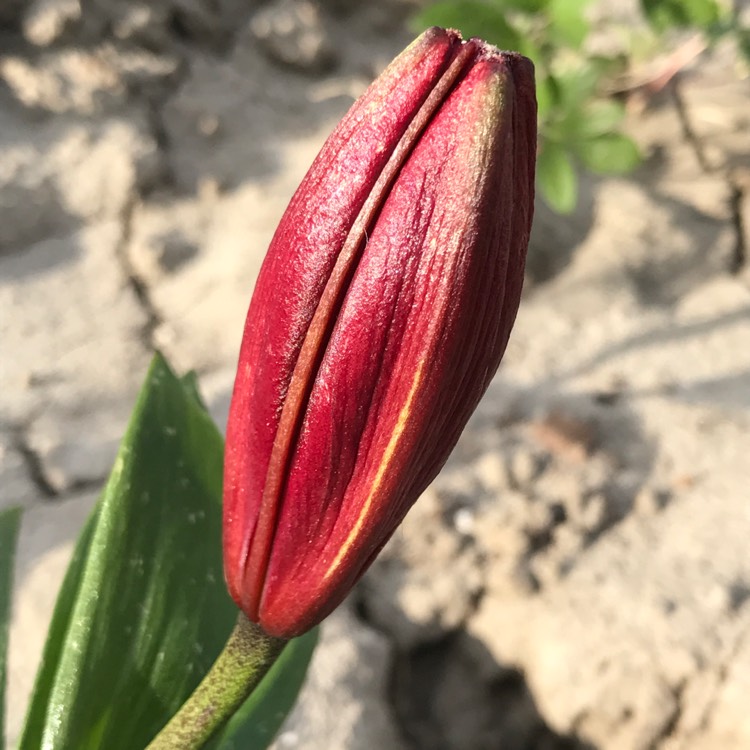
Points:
x=143, y=611
x=10, y=522
x=55, y=643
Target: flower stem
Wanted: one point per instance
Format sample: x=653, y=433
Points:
x=247, y=656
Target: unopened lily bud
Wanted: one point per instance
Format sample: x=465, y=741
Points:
x=379, y=317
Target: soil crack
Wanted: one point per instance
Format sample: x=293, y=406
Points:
x=134, y=281
x=737, y=196
x=34, y=465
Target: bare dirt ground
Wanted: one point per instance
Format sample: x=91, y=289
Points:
x=578, y=576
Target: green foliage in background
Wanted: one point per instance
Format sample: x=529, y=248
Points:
x=580, y=125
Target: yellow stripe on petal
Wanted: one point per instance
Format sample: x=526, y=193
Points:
x=382, y=469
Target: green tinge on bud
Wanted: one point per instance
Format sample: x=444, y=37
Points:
x=379, y=317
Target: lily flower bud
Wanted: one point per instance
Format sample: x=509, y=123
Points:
x=379, y=317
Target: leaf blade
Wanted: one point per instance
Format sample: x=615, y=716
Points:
x=10, y=524
x=557, y=178
x=609, y=154
x=55, y=643
x=147, y=610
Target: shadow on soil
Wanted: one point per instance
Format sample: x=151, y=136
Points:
x=453, y=695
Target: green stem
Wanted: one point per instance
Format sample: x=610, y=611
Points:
x=247, y=656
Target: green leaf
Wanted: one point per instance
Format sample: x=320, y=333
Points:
x=574, y=87
x=526, y=47
x=255, y=725
x=190, y=383
x=663, y=14
x=568, y=21
x=601, y=117
x=525, y=6
x=557, y=179
x=10, y=523
x=612, y=153
x=743, y=42
x=55, y=644
x=473, y=18
x=545, y=96
x=143, y=611
x=592, y=120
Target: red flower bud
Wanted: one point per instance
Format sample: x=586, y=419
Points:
x=380, y=315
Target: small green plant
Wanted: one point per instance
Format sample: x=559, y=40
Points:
x=580, y=123
x=714, y=20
